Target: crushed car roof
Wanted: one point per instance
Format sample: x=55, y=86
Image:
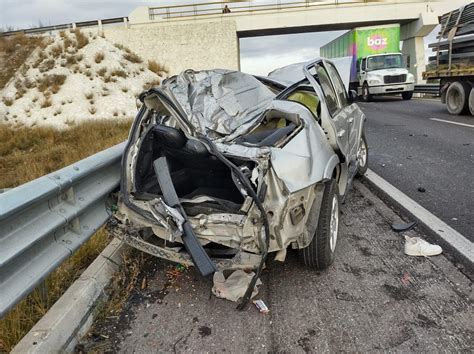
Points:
x=293, y=73
x=219, y=102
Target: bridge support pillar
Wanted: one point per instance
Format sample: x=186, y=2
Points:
x=412, y=34
x=414, y=51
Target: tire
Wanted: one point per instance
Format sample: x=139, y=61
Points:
x=319, y=254
x=407, y=95
x=471, y=102
x=366, y=96
x=362, y=156
x=457, y=97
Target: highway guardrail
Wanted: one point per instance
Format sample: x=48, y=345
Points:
x=44, y=221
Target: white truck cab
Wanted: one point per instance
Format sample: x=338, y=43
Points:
x=384, y=74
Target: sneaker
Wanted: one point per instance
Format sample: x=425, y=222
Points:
x=415, y=246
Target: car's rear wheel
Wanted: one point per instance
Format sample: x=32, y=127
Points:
x=366, y=96
x=407, y=95
x=362, y=156
x=319, y=254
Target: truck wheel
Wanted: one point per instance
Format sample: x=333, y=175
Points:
x=457, y=97
x=407, y=95
x=471, y=102
x=366, y=96
x=362, y=157
x=319, y=254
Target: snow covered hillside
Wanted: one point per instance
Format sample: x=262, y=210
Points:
x=77, y=77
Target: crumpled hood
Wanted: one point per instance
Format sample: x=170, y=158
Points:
x=219, y=103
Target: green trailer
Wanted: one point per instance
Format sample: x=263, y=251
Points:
x=377, y=65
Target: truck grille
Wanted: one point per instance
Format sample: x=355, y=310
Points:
x=393, y=79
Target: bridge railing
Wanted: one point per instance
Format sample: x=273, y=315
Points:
x=215, y=8
x=44, y=221
x=66, y=26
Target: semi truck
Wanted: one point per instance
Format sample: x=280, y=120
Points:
x=378, y=67
x=453, y=60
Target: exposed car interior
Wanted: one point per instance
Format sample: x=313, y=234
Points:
x=194, y=171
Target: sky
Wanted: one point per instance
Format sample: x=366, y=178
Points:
x=259, y=55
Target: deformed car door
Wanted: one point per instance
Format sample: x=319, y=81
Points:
x=338, y=118
x=354, y=115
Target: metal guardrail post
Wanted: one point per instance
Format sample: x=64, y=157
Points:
x=44, y=221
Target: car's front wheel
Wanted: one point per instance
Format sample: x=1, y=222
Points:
x=362, y=156
x=319, y=254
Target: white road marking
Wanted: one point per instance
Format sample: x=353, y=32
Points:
x=457, y=123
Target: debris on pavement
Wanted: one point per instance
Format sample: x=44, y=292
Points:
x=415, y=246
x=260, y=305
x=421, y=190
x=399, y=227
x=233, y=288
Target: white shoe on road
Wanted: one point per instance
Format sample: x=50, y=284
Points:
x=415, y=246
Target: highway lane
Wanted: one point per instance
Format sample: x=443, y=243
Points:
x=417, y=146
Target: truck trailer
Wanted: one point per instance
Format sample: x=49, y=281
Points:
x=378, y=67
x=453, y=62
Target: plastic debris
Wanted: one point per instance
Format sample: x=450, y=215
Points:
x=233, y=288
x=260, y=305
x=421, y=190
x=399, y=227
x=415, y=246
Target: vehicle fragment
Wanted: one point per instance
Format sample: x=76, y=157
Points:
x=399, y=227
x=223, y=168
x=415, y=246
x=233, y=287
x=260, y=305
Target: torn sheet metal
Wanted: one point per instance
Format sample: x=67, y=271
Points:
x=219, y=102
x=233, y=288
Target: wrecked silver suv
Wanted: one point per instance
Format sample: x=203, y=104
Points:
x=223, y=168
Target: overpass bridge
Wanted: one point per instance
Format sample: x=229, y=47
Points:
x=201, y=36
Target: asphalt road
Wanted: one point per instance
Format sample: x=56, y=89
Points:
x=410, y=150
x=373, y=298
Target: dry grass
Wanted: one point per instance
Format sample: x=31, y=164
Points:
x=81, y=39
x=51, y=83
x=118, y=72
x=102, y=71
x=132, y=57
x=92, y=110
x=98, y=57
x=46, y=65
x=149, y=85
x=47, y=102
x=26, y=154
x=122, y=47
x=156, y=67
x=8, y=101
x=13, y=53
x=56, y=50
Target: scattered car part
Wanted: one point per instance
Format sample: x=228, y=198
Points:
x=400, y=227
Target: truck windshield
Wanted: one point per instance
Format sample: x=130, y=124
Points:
x=384, y=62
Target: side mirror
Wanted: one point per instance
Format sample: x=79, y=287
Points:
x=352, y=96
